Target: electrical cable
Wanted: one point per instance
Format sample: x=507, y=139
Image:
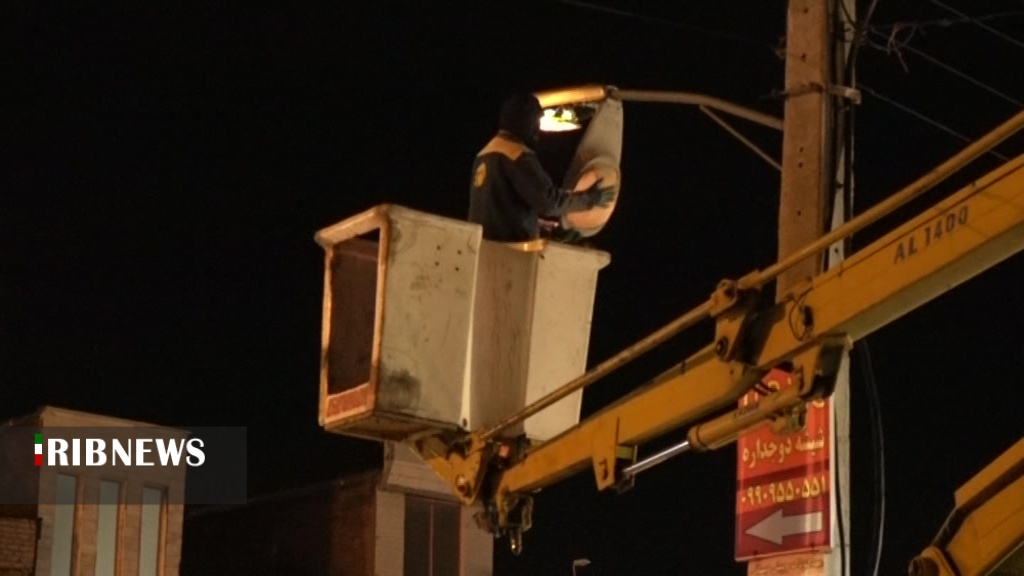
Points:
x=847, y=113
x=839, y=502
x=924, y=118
x=666, y=22
x=948, y=22
x=980, y=24
x=874, y=404
x=861, y=27
x=898, y=46
x=860, y=31
x=843, y=118
x=878, y=470
x=848, y=126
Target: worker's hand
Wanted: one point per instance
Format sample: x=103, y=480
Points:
x=607, y=196
x=601, y=197
x=547, y=225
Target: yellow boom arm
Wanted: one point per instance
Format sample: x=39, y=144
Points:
x=985, y=532
x=804, y=333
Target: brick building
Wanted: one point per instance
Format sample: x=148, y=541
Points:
x=399, y=521
x=18, y=538
x=90, y=521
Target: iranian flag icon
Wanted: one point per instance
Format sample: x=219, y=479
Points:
x=39, y=449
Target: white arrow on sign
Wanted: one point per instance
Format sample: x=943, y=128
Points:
x=773, y=528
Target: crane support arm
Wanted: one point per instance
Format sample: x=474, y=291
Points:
x=985, y=532
x=947, y=244
x=943, y=246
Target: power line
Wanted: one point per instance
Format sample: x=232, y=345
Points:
x=861, y=28
x=665, y=22
x=981, y=24
x=905, y=46
x=878, y=439
x=926, y=119
x=948, y=22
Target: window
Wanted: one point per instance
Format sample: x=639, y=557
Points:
x=64, y=515
x=431, y=537
x=151, y=538
x=108, y=527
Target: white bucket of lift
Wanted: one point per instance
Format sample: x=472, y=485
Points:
x=397, y=321
x=531, y=331
x=428, y=328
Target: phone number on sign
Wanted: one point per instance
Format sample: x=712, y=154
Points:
x=785, y=491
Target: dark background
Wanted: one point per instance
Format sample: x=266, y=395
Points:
x=167, y=165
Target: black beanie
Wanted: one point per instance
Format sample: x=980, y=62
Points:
x=520, y=116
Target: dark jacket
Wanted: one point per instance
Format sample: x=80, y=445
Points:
x=509, y=190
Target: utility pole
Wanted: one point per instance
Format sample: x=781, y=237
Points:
x=806, y=137
x=815, y=63
x=838, y=562
x=806, y=169
x=812, y=167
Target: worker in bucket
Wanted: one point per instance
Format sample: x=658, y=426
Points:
x=509, y=189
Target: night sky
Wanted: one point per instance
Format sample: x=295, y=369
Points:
x=167, y=166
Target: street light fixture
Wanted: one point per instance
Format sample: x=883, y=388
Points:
x=560, y=119
x=590, y=96
x=579, y=563
x=599, y=152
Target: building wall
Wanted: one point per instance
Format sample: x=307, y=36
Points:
x=128, y=534
x=389, y=535
x=353, y=524
x=353, y=527
x=84, y=536
x=17, y=546
x=406, y=475
x=324, y=529
x=286, y=535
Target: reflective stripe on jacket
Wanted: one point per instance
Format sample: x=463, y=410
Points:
x=509, y=190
